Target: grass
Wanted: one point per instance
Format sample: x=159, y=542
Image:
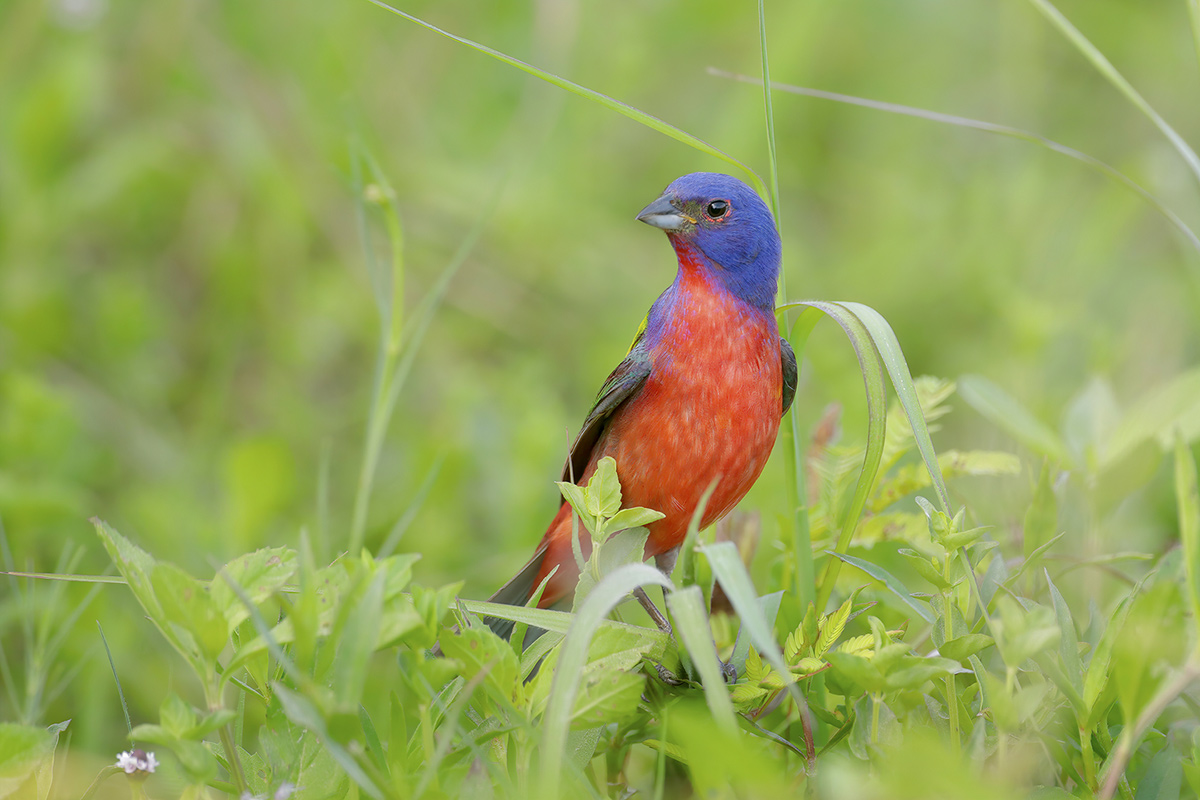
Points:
x=990, y=643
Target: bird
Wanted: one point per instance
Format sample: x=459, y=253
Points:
x=700, y=394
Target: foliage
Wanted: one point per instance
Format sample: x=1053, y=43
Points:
x=995, y=642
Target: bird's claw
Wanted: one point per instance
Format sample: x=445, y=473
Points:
x=666, y=676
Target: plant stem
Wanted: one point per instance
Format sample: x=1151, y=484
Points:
x=1132, y=734
x=1089, y=758
x=875, y=700
x=948, y=632
x=212, y=698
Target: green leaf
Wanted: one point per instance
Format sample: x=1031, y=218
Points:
x=1187, y=500
x=629, y=518
x=27, y=759
x=1023, y=632
x=833, y=627
x=857, y=671
x=1097, y=676
x=478, y=649
x=577, y=497
x=913, y=671
x=926, y=567
x=260, y=574
x=135, y=566
x=604, y=489
x=188, y=608
x=303, y=712
x=866, y=735
x=890, y=581
x=1003, y=410
x=1163, y=777
x=961, y=648
x=1041, y=519
x=691, y=625
x=1068, y=645
x=1164, y=413
x=1149, y=637
x=355, y=642
x=176, y=716
x=625, y=547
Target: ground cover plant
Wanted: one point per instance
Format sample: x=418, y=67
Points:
x=896, y=630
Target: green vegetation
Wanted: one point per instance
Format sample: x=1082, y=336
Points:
x=294, y=500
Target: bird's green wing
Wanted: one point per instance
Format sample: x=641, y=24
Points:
x=791, y=373
x=624, y=382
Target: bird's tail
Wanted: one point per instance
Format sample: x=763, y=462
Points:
x=516, y=592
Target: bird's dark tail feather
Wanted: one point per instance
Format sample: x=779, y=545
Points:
x=516, y=593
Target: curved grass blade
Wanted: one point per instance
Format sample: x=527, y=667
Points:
x=650, y=121
x=987, y=127
x=610, y=592
x=872, y=370
x=691, y=623
x=1105, y=68
x=889, y=350
x=727, y=566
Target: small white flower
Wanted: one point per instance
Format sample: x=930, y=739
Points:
x=137, y=761
x=285, y=790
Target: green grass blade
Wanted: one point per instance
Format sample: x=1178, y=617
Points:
x=611, y=591
x=727, y=566
x=890, y=581
x=1187, y=498
x=872, y=370
x=769, y=114
x=1105, y=68
x=769, y=603
x=1193, y=7
x=393, y=368
x=805, y=584
x=889, y=350
x=70, y=578
x=691, y=624
x=1003, y=410
x=116, y=678
x=988, y=127
x=652, y=122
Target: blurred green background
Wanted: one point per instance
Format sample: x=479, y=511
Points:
x=187, y=328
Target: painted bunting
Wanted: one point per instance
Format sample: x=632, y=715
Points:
x=700, y=394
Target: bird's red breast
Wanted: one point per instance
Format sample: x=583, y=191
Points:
x=708, y=410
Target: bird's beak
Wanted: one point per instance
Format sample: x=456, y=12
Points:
x=662, y=213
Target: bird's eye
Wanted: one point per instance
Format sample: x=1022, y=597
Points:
x=717, y=209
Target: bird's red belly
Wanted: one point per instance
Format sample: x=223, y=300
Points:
x=709, y=411
x=713, y=416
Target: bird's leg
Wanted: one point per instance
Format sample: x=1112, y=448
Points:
x=666, y=564
x=659, y=619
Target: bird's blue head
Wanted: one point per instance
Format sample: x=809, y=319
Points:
x=730, y=227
